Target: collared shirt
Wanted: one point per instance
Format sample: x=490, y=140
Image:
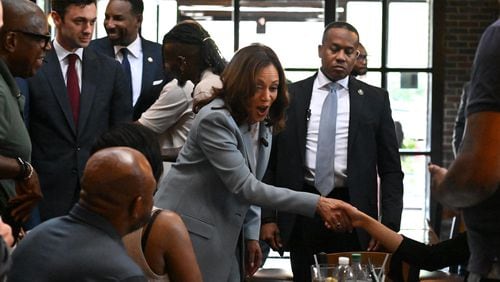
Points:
x=82, y=246
x=62, y=55
x=135, y=59
x=321, y=88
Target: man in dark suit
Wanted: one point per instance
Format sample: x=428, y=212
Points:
x=365, y=149
x=76, y=96
x=122, y=22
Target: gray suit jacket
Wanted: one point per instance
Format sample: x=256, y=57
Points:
x=60, y=149
x=215, y=181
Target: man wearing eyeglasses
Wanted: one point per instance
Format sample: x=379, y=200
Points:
x=360, y=67
x=338, y=140
x=24, y=41
x=76, y=96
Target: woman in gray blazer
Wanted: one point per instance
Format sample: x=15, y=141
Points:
x=216, y=179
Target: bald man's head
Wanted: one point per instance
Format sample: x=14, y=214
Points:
x=118, y=184
x=24, y=37
x=22, y=13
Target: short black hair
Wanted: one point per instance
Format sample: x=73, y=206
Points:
x=344, y=25
x=137, y=6
x=60, y=6
x=135, y=136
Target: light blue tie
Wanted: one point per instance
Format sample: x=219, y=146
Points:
x=325, y=155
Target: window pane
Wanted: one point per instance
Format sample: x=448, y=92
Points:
x=366, y=17
x=216, y=19
x=294, y=76
x=292, y=28
x=408, y=92
x=409, y=34
x=167, y=9
x=372, y=78
x=101, y=9
x=415, y=197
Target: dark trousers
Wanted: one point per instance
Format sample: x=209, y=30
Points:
x=309, y=237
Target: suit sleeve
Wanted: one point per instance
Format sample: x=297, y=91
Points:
x=218, y=141
x=431, y=257
x=251, y=224
x=121, y=104
x=389, y=170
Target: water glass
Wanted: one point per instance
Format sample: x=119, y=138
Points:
x=325, y=273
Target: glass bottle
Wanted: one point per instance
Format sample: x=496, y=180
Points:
x=344, y=271
x=358, y=271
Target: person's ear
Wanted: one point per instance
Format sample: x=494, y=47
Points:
x=139, y=20
x=10, y=41
x=56, y=18
x=136, y=208
x=319, y=50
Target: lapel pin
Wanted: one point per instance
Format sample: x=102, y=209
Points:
x=150, y=59
x=361, y=92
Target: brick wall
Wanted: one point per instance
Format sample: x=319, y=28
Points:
x=465, y=21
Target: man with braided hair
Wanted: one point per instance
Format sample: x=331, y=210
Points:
x=192, y=57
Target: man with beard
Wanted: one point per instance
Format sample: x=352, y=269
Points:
x=141, y=59
x=86, y=245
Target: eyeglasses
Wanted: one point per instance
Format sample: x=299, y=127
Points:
x=362, y=57
x=45, y=38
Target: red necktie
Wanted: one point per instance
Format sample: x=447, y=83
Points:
x=73, y=87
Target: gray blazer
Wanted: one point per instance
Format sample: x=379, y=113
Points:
x=215, y=181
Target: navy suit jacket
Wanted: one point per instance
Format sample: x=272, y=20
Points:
x=372, y=148
x=152, y=71
x=60, y=149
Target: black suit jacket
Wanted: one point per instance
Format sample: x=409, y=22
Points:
x=153, y=75
x=60, y=149
x=372, y=148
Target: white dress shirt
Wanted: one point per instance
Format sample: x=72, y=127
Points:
x=62, y=55
x=320, y=90
x=135, y=59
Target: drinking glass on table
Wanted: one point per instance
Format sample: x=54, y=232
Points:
x=324, y=273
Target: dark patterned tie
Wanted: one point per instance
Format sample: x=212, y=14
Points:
x=73, y=87
x=126, y=66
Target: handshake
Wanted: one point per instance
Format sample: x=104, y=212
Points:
x=337, y=215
